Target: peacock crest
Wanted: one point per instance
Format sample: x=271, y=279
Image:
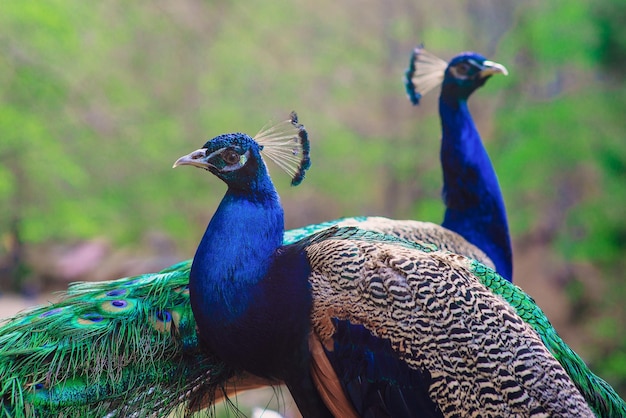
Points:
x=426, y=71
x=287, y=145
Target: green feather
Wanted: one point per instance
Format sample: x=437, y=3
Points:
x=600, y=396
x=84, y=356
x=107, y=348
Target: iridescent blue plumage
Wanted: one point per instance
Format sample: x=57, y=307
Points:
x=241, y=278
x=376, y=379
x=474, y=203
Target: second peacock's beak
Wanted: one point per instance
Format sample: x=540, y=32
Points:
x=491, y=68
x=198, y=158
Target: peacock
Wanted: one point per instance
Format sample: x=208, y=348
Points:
x=84, y=353
x=158, y=293
x=474, y=204
x=129, y=346
x=359, y=323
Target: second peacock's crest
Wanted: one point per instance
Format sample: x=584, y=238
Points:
x=287, y=145
x=426, y=72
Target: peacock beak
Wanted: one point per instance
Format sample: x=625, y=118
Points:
x=491, y=68
x=198, y=158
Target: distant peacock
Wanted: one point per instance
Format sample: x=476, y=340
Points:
x=474, y=203
x=359, y=323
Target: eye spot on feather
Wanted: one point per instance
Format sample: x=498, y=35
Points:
x=131, y=282
x=162, y=321
x=38, y=386
x=51, y=312
x=164, y=316
x=113, y=293
x=118, y=306
x=116, y=292
x=91, y=318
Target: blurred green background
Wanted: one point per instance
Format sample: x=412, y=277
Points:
x=97, y=100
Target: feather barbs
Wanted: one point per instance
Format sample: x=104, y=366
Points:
x=182, y=290
x=91, y=319
x=426, y=72
x=287, y=145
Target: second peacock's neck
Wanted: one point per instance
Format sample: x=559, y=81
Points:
x=474, y=203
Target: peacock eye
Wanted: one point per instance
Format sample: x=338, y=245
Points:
x=463, y=68
x=230, y=157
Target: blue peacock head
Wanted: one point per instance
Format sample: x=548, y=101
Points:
x=459, y=78
x=468, y=71
x=236, y=157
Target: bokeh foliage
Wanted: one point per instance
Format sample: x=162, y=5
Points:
x=97, y=99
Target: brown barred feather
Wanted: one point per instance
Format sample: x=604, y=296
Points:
x=422, y=233
x=483, y=358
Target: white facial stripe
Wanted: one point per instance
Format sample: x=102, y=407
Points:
x=214, y=153
x=475, y=63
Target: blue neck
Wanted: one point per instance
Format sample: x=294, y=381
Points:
x=250, y=296
x=474, y=204
x=235, y=252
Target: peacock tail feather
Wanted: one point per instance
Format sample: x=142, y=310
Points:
x=107, y=348
x=116, y=346
x=63, y=359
